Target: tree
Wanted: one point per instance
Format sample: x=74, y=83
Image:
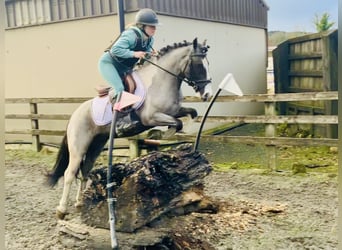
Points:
x=322, y=22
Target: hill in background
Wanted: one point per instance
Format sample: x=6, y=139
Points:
x=277, y=37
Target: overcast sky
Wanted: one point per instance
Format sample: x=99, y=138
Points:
x=298, y=15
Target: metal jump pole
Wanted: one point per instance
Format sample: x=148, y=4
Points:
x=110, y=199
x=229, y=84
x=204, y=118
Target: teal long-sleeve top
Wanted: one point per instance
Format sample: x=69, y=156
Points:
x=124, y=46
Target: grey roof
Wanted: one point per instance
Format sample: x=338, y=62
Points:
x=251, y=13
x=241, y=12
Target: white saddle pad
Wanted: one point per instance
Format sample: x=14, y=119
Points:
x=102, y=112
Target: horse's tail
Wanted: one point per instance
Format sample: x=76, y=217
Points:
x=61, y=164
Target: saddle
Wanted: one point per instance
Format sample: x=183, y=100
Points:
x=102, y=106
x=128, y=82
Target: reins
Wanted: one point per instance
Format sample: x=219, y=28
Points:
x=167, y=71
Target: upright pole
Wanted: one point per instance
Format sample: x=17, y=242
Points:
x=229, y=84
x=270, y=131
x=110, y=184
x=204, y=118
x=121, y=14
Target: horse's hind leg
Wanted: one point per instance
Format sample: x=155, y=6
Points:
x=94, y=150
x=83, y=181
x=86, y=167
x=79, y=197
x=69, y=176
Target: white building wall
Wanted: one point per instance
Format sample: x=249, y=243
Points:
x=57, y=60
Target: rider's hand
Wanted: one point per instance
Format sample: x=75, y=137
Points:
x=139, y=54
x=154, y=52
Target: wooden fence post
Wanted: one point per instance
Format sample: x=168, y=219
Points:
x=270, y=131
x=35, y=126
x=134, y=150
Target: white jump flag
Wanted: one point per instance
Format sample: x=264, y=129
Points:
x=229, y=84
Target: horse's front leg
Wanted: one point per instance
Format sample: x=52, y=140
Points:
x=186, y=111
x=162, y=119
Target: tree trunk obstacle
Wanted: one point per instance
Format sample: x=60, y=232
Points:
x=152, y=193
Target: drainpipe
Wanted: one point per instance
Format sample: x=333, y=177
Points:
x=121, y=13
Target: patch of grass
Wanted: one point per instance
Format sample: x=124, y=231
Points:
x=46, y=156
x=311, y=160
x=316, y=159
x=224, y=157
x=226, y=166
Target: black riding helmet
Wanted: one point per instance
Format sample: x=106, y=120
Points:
x=146, y=17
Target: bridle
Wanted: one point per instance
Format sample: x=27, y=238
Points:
x=195, y=84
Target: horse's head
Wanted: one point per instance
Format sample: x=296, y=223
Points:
x=188, y=64
x=197, y=72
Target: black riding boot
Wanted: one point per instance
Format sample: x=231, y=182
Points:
x=127, y=125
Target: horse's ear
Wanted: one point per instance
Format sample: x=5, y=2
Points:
x=195, y=43
x=205, y=46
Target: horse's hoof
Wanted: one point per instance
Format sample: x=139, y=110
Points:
x=60, y=215
x=78, y=206
x=155, y=134
x=193, y=114
x=170, y=132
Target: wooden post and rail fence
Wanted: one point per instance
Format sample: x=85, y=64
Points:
x=269, y=118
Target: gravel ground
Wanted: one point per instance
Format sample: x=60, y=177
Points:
x=258, y=210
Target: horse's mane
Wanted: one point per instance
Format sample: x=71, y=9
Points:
x=169, y=48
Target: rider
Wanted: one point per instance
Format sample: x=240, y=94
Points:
x=120, y=58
